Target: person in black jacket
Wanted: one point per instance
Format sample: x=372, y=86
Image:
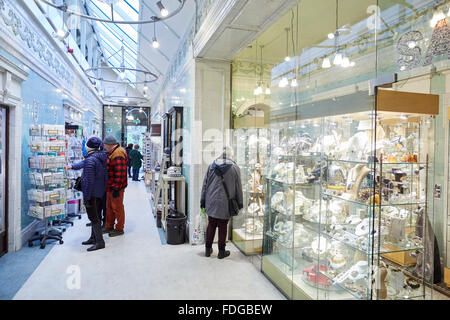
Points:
x=128, y=149
x=93, y=183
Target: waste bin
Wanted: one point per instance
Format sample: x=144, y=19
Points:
x=176, y=228
x=158, y=219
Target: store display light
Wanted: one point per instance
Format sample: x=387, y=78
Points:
x=331, y=36
x=294, y=83
x=287, y=59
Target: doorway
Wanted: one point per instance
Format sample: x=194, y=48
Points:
x=3, y=179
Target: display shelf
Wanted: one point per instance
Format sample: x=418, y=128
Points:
x=47, y=201
x=292, y=283
x=361, y=208
x=369, y=205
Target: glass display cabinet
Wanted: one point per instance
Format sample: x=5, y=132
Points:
x=251, y=155
x=348, y=197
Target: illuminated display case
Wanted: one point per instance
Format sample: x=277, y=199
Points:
x=348, y=201
x=251, y=155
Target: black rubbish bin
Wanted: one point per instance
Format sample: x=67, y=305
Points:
x=158, y=219
x=176, y=228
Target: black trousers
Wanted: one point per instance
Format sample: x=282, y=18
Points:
x=93, y=215
x=102, y=209
x=129, y=171
x=214, y=223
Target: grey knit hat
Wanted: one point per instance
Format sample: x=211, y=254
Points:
x=110, y=140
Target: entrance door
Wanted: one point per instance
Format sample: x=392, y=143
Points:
x=3, y=179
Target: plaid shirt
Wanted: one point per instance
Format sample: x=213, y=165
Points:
x=117, y=169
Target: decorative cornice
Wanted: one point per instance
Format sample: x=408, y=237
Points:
x=18, y=73
x=219, y=12
x=24, y=41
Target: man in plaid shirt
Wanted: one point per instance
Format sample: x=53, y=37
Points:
x=117, y=182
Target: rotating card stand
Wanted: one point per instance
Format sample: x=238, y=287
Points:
x=47, y=199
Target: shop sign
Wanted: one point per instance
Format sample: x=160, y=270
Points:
x=411, y=54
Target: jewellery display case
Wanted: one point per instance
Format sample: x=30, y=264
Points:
x=251, y=154
x=347, y=197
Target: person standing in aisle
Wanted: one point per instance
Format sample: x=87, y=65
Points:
x=223, y=172
x=128, y=149
x=135, y=157
x=117, y=182
x=93, y=183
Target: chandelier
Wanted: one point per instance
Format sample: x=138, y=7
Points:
x=164, y=13
x=96, y=74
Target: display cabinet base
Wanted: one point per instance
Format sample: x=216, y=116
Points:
x=248, y=244
x=402, y=258
x=271, y=268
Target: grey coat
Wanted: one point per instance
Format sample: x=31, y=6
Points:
x=214, y=198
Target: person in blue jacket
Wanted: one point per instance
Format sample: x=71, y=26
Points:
x=93, y=183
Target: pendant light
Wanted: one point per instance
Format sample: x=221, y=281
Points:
x=326, y=63
x=338, y=59
x=294, y=83
x=162, y=9
x=155, y=43
x=287, y=58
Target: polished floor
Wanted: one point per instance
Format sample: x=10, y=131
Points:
x=139, y=265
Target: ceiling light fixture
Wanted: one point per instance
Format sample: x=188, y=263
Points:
x=78, y=10
x=287, y=58
x=338, y=59
x=294, y=83
x=345, y=62
x=326, y=63
x=283, y=82
x=155, y=43
x=331, y=36
x=162, y=9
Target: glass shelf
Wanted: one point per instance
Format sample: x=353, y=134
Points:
x=391, y=204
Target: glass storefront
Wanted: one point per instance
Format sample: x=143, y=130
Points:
x=127, y=124
x=337, y=113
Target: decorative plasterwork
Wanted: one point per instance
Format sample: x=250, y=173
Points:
x=21, y=29
x=31, y=45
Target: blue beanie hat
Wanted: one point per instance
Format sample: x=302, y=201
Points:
x=94, y=143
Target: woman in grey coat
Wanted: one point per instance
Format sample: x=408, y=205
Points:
x=214, y=199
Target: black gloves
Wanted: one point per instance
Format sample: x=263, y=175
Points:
x=115, y=194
